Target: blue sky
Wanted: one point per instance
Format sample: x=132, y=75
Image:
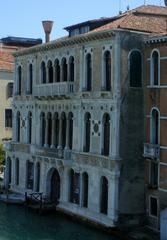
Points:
x=23, y=18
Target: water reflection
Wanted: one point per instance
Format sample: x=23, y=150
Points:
x=16, y=223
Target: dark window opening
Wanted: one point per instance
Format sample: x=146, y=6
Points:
x=29, y=127
x=104, y=196
x=70, y=130
x=88, y=72
x=18, y=127
x=85, y=189
x=153, y=206
x=63, y=131
x=87, y=132
x=50, y=72
x=155, y=63
x=155, y=127
x=30, y=175
x=71, y=69
x=154, y=174
x=106, y=135
x=43, y=73
x=30, y=79
x=19, y=80
x=17, y=172
x=57, y=71
x=107, y=61
x=64, y=70
x=8, y=118
x=75, y=187
x=38, y=177
x=49, y=140
x=135, y=69
x=9, y=90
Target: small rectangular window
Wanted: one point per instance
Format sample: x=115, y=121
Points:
x=8, y=118
x=153, y=208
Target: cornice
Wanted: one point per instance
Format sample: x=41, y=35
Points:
x=65, y=42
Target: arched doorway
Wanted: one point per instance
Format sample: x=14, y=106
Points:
x=54, y=185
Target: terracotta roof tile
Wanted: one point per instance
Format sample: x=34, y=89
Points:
x=151, y=19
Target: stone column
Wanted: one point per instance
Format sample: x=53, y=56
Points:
x=113, y=198
x=61, y=72
x=46, y=133
x=81, y=191
x=60, y=134
x=67, y=133
x=47, y=74
x=68, y=72
x=53, y=133
x=54, y=73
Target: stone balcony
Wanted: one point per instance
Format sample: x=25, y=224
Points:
x=38, y=151
x=54, y=89
x=151, y=151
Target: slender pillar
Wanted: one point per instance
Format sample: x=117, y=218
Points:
x=61, y=72
x=68, y=72
x=54, y=73
x=60, y=134
x=53, y=132
x=81, y=190
x=67, y=133
x=47, y=74
x=46, y=133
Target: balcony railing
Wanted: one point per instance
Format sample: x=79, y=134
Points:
x=151, y=150
x=53, y=89
x=38, y=151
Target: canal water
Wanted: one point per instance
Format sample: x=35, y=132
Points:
x=17, y=223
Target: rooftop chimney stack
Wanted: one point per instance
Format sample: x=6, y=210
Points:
x=47, y=25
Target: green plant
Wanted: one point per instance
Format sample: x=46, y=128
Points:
x=2, y=155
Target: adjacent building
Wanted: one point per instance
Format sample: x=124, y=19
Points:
x=78, y=117
x=155, y=148
x=8, y=46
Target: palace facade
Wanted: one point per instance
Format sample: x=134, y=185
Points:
x=78, y=117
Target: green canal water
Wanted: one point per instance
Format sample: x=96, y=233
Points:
x=16, y=223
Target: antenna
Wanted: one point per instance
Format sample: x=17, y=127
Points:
x=120, y=7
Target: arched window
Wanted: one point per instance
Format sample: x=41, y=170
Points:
x=64, y=123
x=17, y=171
x=64, y=70
x=87, y=122
x=50, y=72
x=29, y=127
x=30, y=175
x=70, y=129
x=88, y=72
x=57, y=71
x=107, y=71
x=19, y=74
x=42, y=128
x=43, y=72
x=30, y=82
x=155, y=126
x=8, y=171
x=18, y=126
x=71, y=62
x=49, y=119
x=135, y=69
x=155, y=68
x=85, y=183
x=104, y=195
x=38, y=176
x=106, y=134
x=74, y=187
x=9, y=90
x=56, y=119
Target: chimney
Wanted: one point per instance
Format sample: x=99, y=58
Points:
x=47, y=25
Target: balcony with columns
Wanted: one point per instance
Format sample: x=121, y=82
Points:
x=151, y=151
x=54, y=90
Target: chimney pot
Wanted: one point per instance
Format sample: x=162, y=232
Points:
x=47, y=25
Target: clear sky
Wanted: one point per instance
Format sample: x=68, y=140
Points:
x=22, y=18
